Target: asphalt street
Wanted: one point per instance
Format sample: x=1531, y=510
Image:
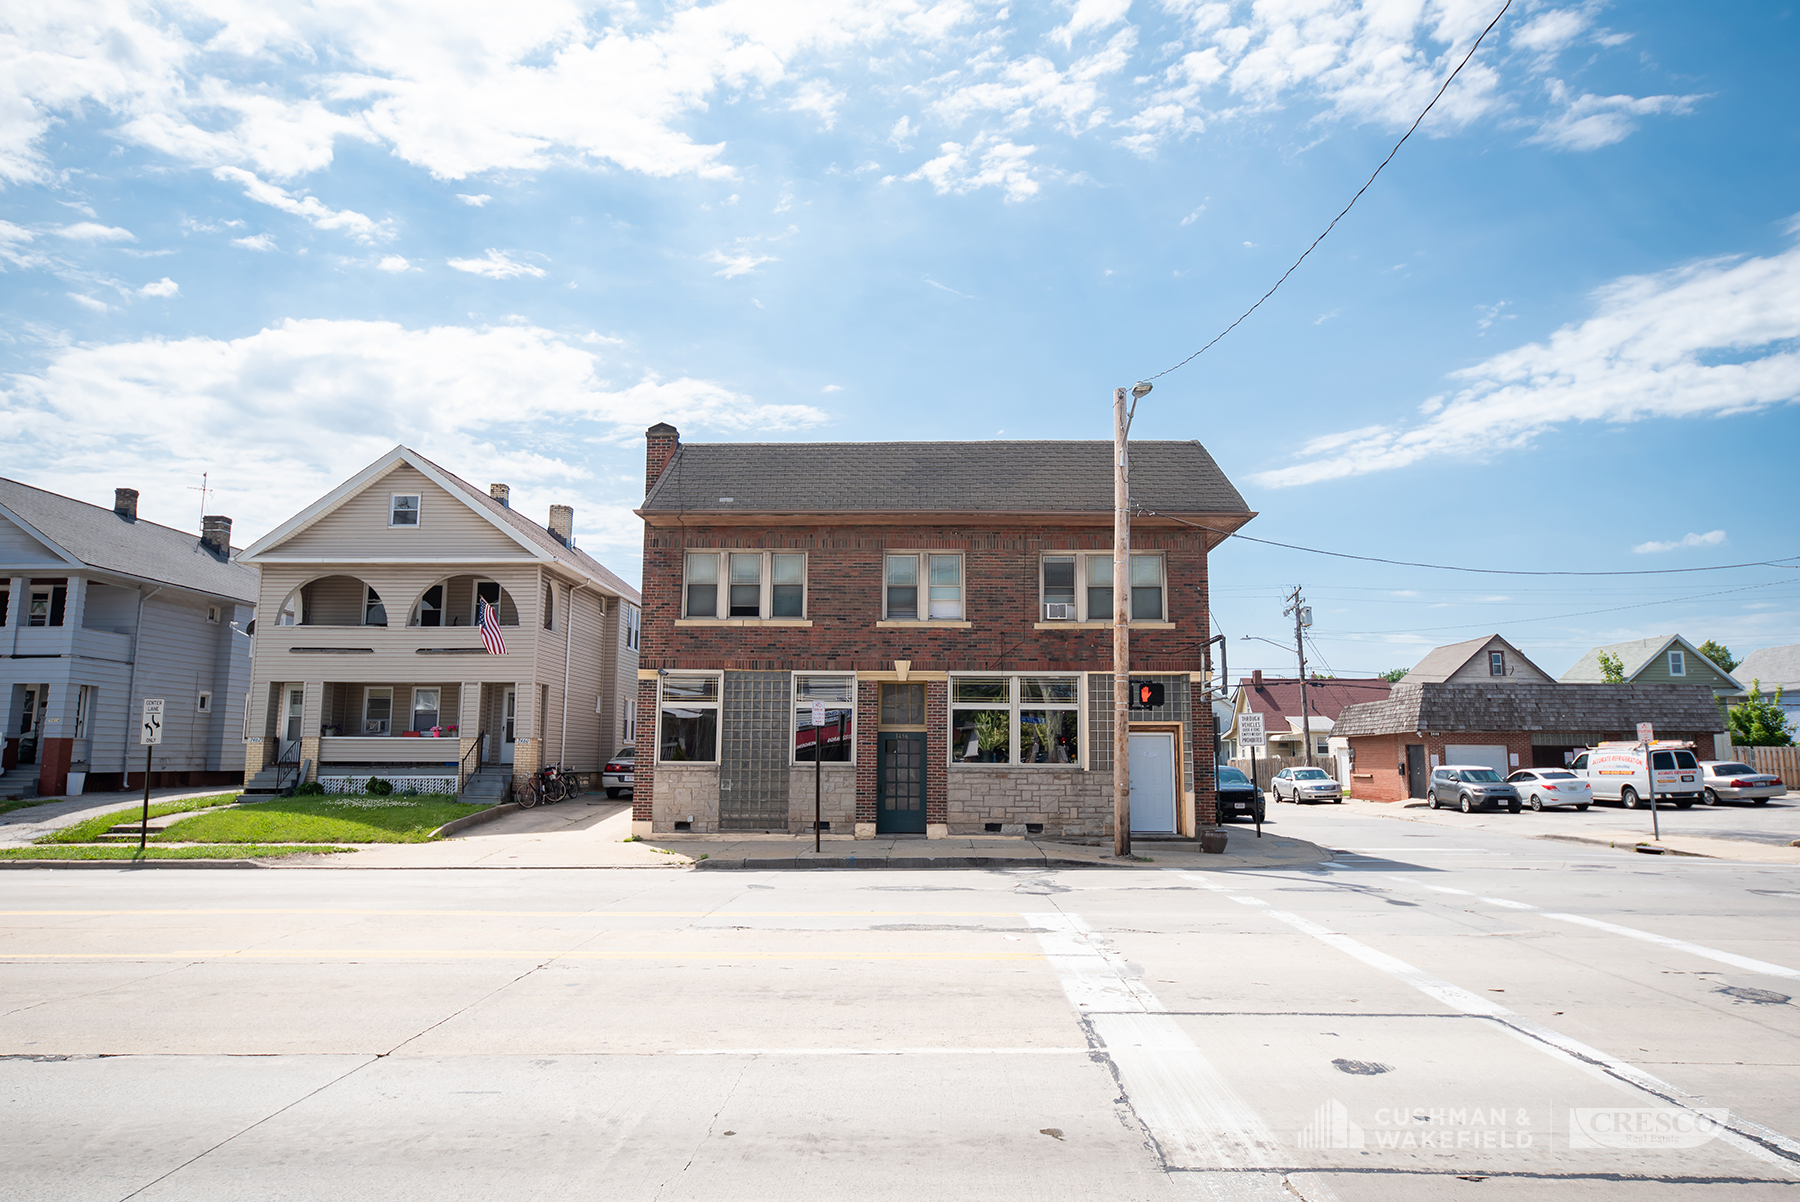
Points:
x=1435, y=1013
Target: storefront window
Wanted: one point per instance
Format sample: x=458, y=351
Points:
x=690, y=719
x=834, y=742
x=1015, y=719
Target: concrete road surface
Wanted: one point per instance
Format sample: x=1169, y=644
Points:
x=1435, y=1014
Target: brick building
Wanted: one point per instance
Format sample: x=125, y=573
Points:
x=949, y=607
x=1394, y=743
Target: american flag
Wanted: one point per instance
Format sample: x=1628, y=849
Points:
x=490, y=628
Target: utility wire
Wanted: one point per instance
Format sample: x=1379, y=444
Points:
x=1315, y=242
x=1557, y=617
x=1784, y=561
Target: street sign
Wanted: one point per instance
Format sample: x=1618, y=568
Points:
x=818, y=713
x=1250, y=731
x=151, y=733
x=1646, y=733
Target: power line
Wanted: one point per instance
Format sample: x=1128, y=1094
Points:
x=1583, y=614
x=1443, y=567
x=1315, y=242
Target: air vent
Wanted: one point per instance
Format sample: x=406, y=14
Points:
x=682, y=826
x=1059, y=613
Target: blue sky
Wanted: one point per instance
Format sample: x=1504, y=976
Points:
x=1562, y=332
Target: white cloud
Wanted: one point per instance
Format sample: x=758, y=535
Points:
x=1709, y=339
x=1588, y=122
x=819, y=98
x=309, y=208
x=1712, y=538
x=497, y=265
x=93, y=231
x=984, y=163
x=1023, y=89
x=255, y=242
x=1550, y=31
x=162, y=287
x=475, y=201
x=1089, y=16
x=394, y=263
x=740, y=263
x=88, y=302
x=832, y=388
x=282, y=415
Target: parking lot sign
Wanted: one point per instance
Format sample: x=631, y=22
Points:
x=1251, y=732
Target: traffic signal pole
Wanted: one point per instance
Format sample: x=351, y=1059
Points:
x=1121, y=673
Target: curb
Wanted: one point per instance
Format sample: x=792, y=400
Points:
x=129, y=865
x=908, y=863
x=476, y=819
x=1649, y=849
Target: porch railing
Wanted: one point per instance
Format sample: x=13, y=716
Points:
x=462, y=770
x=289, y=770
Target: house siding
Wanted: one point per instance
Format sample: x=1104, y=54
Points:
x=358, y=529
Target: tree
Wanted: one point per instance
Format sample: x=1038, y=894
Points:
x=1393, y=675
x=1719, y=654
x=1758, y=722
x=1612, y=668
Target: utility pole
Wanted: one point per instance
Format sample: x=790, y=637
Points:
x=1122, y=618
x=1302, y=618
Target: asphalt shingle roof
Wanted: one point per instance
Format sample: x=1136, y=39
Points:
x=102, y=539
x=1634, y=656
x=1687, y=708
x=1441, y=663
x=1280, y=698
x=1771, y=665
x=949, y=477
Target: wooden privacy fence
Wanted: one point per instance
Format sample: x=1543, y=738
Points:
x=1268, y=765
x=1777, y=761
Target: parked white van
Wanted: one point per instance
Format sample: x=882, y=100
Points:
x=1616, y=771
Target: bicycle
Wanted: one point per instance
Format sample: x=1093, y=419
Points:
x=548, y=785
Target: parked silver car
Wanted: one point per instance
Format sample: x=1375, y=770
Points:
x=1542, y=787
x=620, y=773
x=1734, y=780
x=1306, y=784
x=1471, y=787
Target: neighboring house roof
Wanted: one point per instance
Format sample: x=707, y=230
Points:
x=543, y=545
x=1637, y=654
x=1441, y=663
x=946, y=477
x=1278, y=699
x=100, y=538
x=1772, y=666
x=1585, y=708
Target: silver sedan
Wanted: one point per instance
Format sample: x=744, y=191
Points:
x=1306, y=784
x=1733, y=780
x=1542, y=787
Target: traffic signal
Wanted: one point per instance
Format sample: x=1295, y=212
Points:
x=1146, y=694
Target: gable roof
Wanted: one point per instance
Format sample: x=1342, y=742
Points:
x=99, y=538
x=1771, y=665
x=1278, y=699
x=1441, y=663
x=1569, y=708
x=943, y=477
x=539, y=542
x=1637, y=654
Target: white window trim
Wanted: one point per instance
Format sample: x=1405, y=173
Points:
x=84, y=709
x=718, y=730
x=369, y=591
x=794, y=698
x=368, y=695
x=203, y=703
x=475, y=598
x=765, y=607
x=631, y=618
x=212, y=614
x=429, y=688
x=1677, y=654
x=924, y=586
x=418, y=511
x=1079, y=707
x=550, y=606
x=1083, y=619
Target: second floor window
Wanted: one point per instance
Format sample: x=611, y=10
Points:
x=1496, y=663
x=1078, y=587
x=374, y=612
x=633, y=623
x=48, y=600
x=923, y=587
x=754, y=584
x=1677, y=664
x=403, y=509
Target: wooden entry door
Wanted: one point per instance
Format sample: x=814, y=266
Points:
x=900, y=784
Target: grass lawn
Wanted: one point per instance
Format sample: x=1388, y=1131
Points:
x=7, y=807
x=88, y=830
x=129, y=851
x=342, y=818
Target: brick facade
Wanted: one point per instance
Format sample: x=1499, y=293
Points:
x=1379, y=770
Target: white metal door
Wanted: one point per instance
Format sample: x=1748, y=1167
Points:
x=292, y=705
x=506, y=726
x=1153, y=783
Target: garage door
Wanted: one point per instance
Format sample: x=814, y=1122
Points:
x=1493, y=756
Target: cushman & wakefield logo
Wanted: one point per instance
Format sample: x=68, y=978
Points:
x=1644, y=1126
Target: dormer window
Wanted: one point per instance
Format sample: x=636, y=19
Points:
x=403, y=509
x=1677, y=664
x=1496, y=663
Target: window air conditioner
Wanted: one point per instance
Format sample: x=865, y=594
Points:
x=1059, y=613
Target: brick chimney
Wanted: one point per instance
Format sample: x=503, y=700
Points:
x=562, y=523
x=125, y=503
x=501, y=493
x=660, y=442
x=1256, y=679
x=215, y=535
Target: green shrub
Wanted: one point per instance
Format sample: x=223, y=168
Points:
x=378, y=787
x=311, y=788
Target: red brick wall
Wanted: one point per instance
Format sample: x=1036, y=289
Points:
x=868, y=720
x=937, y=751
x=1379, y=754
x=54, y=757
x=648, y=736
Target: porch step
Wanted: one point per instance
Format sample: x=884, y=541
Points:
x=489, y=785
x=262, y=782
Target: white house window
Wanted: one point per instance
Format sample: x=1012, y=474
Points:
x=835, y=742
x=378, y=712
x=430, y=611
x=628, y=728
x=425, y=709
x=758, y=584
x=47, y=603
x=203, y=704
x=84, y=710
x=689, y=719
x=940, y=577
x=633, y=623
x=491, y=592
x=1496, y=663
x=1015, y=720
x=403, y=509
x=1078, y=587
x=212, y=614
x=549, y=607
x=374, y=612
x=5, y=606
x=292, y=610
x=1677, y=664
